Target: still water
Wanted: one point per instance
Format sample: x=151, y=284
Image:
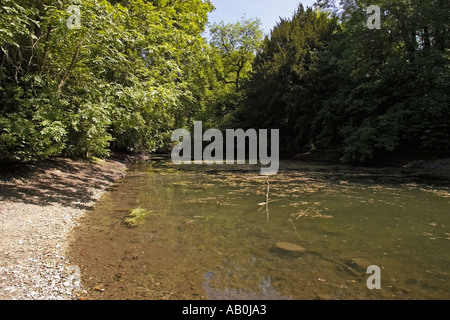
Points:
x=211, y=232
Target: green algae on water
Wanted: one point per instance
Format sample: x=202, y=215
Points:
x=136, y=217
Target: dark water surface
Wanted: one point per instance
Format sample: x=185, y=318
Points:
x=208, y=234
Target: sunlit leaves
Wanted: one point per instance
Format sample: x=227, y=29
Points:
x=120, y=81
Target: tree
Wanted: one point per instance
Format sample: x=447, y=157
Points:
x=282, y=92
x=237, y=45
x=394, y=81
x=230, y=55
x=327, y=81
x=120, y=81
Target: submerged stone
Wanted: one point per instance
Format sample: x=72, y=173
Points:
x=291, y=247
x=360, y=263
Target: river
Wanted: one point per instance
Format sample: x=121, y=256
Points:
x=214, y=232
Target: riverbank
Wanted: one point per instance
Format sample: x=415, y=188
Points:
x=438, y=165
x=39, y=205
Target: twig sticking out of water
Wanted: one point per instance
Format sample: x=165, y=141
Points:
x=267, y=200
x=266, y=204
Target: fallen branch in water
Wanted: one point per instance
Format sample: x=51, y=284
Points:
x=301, y=214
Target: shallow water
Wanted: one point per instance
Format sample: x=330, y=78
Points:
x=210, y=234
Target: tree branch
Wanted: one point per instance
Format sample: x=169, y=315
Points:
x=46, y=49
x=72, y=64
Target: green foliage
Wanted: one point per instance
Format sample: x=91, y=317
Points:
x=282, y=91
x=122, y=81
x=232, y=50
x=136, y=217
x=236, y=44
x=137, y=69
x=394, y=90
x=329, y=82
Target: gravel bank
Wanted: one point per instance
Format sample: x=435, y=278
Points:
x=39, y=206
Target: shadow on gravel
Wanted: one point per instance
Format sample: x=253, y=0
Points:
x=69, y=183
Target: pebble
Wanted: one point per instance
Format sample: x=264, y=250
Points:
x=98, y=288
